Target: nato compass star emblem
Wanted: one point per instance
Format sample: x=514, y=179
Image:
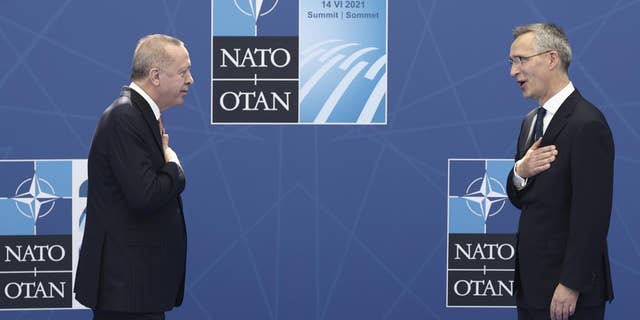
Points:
x=485, y=197
x=35, y=199
x=255, y=9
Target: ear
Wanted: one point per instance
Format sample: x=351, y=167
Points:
x=554, y=60
x=154, y=76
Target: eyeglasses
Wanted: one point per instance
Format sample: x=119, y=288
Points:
x=517, y=60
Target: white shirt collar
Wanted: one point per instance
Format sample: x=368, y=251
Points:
x=154, y=106
x=552, y=105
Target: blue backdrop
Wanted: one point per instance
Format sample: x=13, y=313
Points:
x=325, y=222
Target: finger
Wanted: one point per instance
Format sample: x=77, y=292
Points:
x=539, y=154
x=536, y=144
x=565, y=312
x=545, y=160
x=546, y=151
x=557, y=312
x=540, y=159
x=541, y=168
x=540, y=163
x=551, y=152
x=552, y=310
x=547, y=148
x=544, y=166
x=550, y=157
x=165, y=140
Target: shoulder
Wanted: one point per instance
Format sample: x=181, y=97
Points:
x=589, y=125
x=120, y=115
x=586, y=112
x=531, y=113
x=527, y=118
x=122, y=108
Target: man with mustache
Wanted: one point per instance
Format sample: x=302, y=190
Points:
x=133, y=254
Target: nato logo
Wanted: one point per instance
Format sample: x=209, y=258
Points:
x=42, y=204
x=254, y=18
x=478, y=201
x=481, y=242
x=254, y=9
x=35, y=197
x=254, y=74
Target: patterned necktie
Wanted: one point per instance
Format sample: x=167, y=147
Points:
x=161, y=126
x=538, y=128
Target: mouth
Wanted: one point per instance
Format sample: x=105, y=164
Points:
x=521, y=83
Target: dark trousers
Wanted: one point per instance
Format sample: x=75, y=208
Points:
x=584, y=313
x=113, y=315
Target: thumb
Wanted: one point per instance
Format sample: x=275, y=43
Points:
x=165, y=141
x=536, y=144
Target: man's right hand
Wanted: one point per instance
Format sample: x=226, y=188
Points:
x=169, y=154
x=536, y=160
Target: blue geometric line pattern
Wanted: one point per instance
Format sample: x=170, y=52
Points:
x=324, y=222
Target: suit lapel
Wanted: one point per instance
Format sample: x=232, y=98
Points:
x=560, y=118
x=524, y=141
x=558, y=122
x=147, y=115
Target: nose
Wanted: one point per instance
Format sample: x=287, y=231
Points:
x=189, y=79
x=514, y=70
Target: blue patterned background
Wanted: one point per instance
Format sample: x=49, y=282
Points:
x=326, y=222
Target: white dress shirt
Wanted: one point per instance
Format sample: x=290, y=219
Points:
x=154, y=106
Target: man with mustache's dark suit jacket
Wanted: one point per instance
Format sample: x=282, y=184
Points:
x=133, y=254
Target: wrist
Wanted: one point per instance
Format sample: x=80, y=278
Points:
x=516, y=169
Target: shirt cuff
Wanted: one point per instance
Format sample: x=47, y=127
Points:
x=518, y=181
x=176, y=161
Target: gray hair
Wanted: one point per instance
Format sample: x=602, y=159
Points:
x=150, y=52
x=548, y=37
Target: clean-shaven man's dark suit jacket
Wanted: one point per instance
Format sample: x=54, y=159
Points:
x=132, y=257
x=562, y=234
